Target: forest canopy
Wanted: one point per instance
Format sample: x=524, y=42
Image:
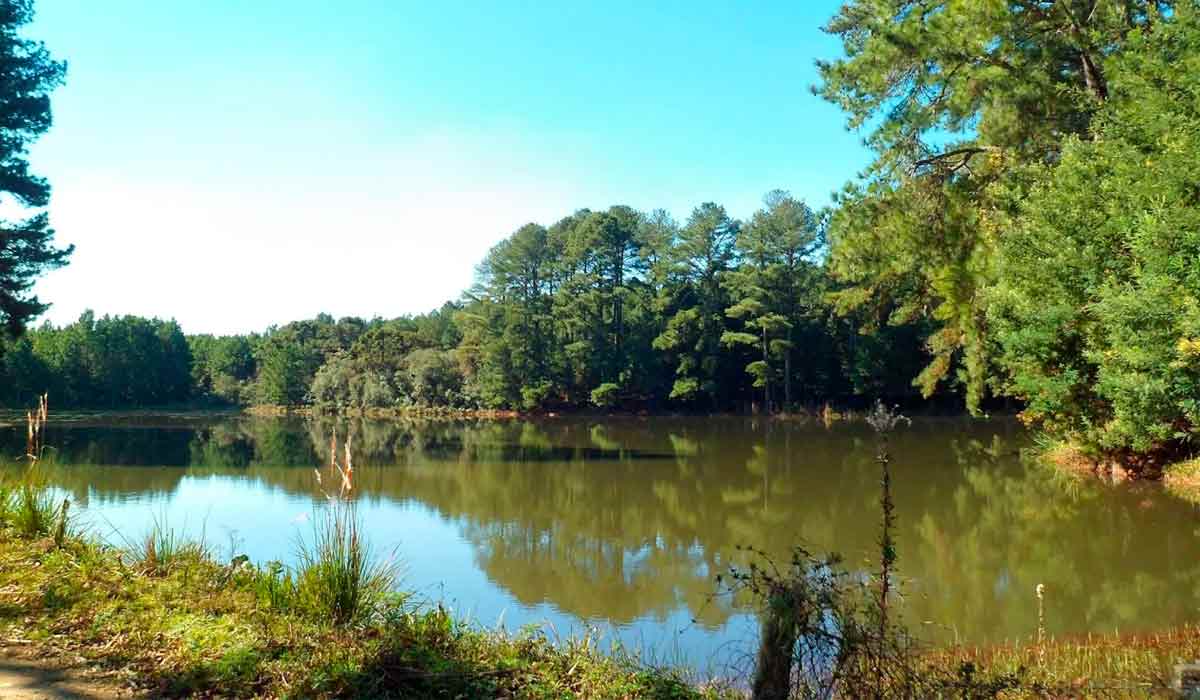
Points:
x=614, y=309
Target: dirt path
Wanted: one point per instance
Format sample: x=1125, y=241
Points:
x=23, y=677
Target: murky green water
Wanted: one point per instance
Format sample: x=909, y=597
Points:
x=623, y=523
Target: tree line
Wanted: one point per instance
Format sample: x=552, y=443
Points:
x=613, y=309
x=1028, y=230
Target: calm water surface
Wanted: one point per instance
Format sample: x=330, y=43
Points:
x=621, y=524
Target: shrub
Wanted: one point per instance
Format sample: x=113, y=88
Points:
x=434, y=378
x=606, y=395
x=1098, y=310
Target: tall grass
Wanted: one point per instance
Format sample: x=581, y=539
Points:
x=164, y=549
x=339, y=577
x=27, y=505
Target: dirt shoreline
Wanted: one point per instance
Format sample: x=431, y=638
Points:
x=24, y=675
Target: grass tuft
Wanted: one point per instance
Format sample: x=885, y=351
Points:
x=339, y=578
x=163, y=550
x=31, y=506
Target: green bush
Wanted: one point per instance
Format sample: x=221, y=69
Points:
x=1098, y=311
x=606, y=395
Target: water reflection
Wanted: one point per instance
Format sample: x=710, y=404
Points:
x=628, y=520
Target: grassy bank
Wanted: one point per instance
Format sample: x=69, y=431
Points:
x=177, y=622
x=1181, y=479
x=272, y=410
x=1106, y=665
x=186, y=624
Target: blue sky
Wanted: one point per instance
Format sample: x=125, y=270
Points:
x=234, y=164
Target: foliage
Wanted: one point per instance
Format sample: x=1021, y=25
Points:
x=1097, y=307
x=223, y=367
x=961, y=98
x=393, y=364
x=1183, y=480
x=26, y=246
x=698, y=263
x=601, y=309
x=772, y=289
x=112, y=361
x=606, y=395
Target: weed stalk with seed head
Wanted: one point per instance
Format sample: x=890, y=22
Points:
x=884, y=420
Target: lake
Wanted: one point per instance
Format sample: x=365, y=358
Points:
x=621, y=524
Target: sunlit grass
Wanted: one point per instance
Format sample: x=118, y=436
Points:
x=209, y=628
x=338, y=576
x=1108, y=665
x=26, y=504
x=163, y=549
x=1183, y=480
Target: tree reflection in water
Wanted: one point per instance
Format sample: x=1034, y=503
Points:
x=629, y=519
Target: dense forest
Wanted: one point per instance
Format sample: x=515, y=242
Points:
x=1028, y=230
x=612, y=309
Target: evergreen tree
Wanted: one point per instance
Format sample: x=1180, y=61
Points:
x=27, y=75
x=1097, y=308
x=960, y=96
x=768, y=288
x=703, y=254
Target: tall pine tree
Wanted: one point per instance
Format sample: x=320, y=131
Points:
x=27, y=75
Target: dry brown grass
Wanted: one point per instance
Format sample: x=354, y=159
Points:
x=1074, y=462
x=1109, y=665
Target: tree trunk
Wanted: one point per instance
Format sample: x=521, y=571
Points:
x=773, y=668
x=1093, y=76
x=787, y=372
x=766, y=372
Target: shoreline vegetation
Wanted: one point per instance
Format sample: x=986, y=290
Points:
x=1180, y=479
x=826, y=413
x=178, y=622
x=1183, y=480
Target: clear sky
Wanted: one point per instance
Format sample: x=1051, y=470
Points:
x=233, y=164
